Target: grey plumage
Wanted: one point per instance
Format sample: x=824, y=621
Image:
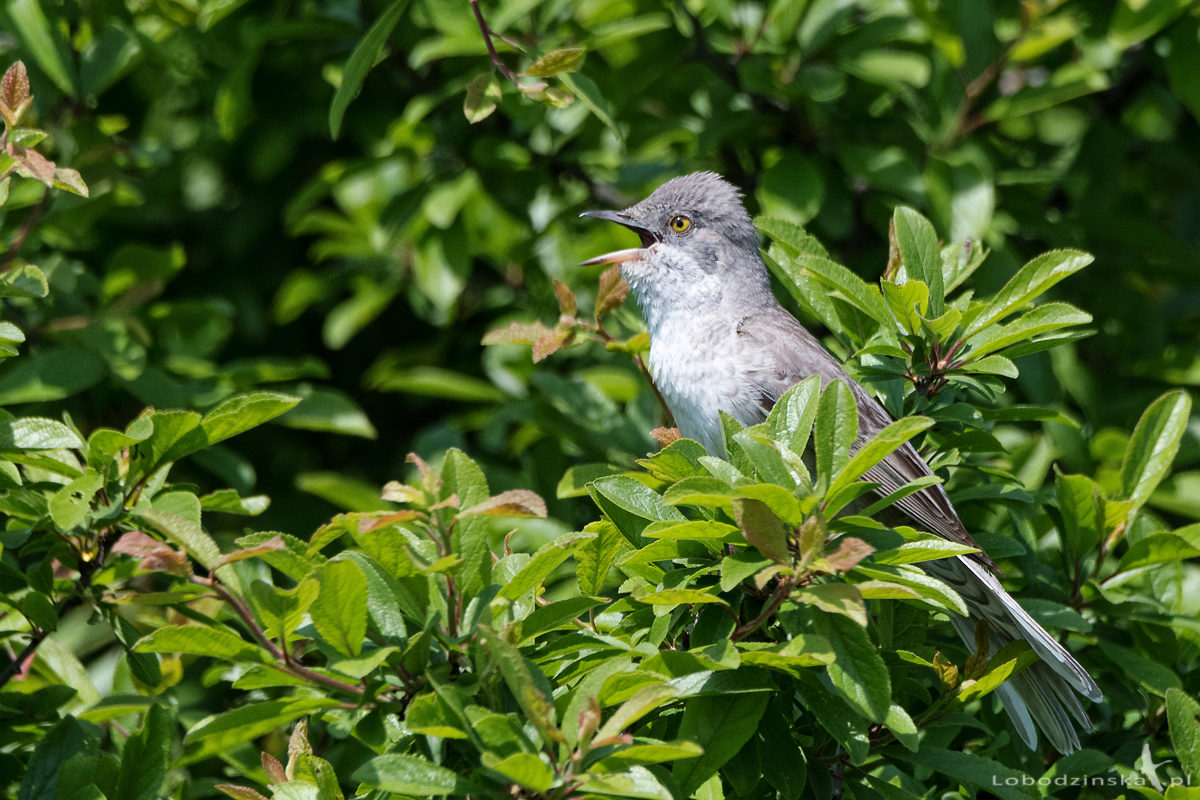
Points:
x=720, y=341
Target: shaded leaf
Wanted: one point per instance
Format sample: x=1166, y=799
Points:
x=365, y=56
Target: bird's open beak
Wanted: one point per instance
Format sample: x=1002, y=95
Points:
x=619, y=256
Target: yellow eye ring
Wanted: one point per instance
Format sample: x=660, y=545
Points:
x=680, y=224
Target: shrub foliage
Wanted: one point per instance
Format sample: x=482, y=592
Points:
x=250, y=251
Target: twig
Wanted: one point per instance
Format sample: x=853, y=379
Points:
x=86, y=570
x=10, y=258
x=497, y=62
x=782, y=591
x=641, y=364
x=288, y=665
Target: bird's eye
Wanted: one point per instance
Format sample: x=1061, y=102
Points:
x=680, y=224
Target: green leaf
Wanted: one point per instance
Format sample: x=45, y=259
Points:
x=791, y=419
x=921, y=255
x=1082, y=506
x=857, y=671
x=45, y=43
x=105, y=443
x=328, y=411
x=694, y=530
x=720, y=724
x=853, y=289
x=242, y=413
x=928, y=587
x=1183, y=719
x=146, y=756
x=199, y=640
x=568, y=59
x=527, y=683
x=588, y=92
x=634, y=782
x=60, y=743
x=790, y=185
x=433, y=382
x=462, y=477
x=228, y=501
x=1031, y=280
x=762, y=529
x=630, y=504
x=834, y=598
x=24, y=280
x=836, y=430
x=879, y=447
x=649, y=753
x=1008, y=661
x=1153, y=445
x=792, y=236
x=642, y=702
x=677, y=597
x=483, y=94
x=343, y=491
x=185, y=533
x=1157, y=548
x=429, y=715
x=523, y=769
x=409, y=775
x=1134, y=22
x=70, y=505
x=594, y=557
x=51, y=374
x=1042, y=319
x=544, y=561
x=990, y=776
x=365, y=56
x=992, y=365
x=340, y=610
x=1183, y=62
x=909, y=302
x=35, y=433
x=1149, y=674
x=784, y=763
x=221, y=733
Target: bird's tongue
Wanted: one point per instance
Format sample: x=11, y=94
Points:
x=616, y=257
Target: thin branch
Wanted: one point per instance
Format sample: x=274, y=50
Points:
x=287, y=665
x=10, y=258
x=497, y=62
x=782, y=590
x=641, y=364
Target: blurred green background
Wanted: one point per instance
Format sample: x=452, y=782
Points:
x=231, y=241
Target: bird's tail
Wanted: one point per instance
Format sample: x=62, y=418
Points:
x=1043, y=695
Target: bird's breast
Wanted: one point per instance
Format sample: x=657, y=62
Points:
x=700, y=371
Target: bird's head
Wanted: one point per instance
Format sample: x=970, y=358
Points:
x=695, y=236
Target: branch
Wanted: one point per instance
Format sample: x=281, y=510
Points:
x=605, y=336
x=497, y=62
x=31, y=220
x=287, y=665
x=782, y=590
x=86, y=570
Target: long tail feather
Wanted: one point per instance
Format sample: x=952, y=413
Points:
x=1044, y=694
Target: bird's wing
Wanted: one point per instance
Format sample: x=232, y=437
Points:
x=792, y=354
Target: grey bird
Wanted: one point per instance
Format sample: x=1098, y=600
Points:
x=720, y=341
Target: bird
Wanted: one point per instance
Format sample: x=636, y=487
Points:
x=721, y=342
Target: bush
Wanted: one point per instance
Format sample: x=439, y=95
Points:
x=560, y=614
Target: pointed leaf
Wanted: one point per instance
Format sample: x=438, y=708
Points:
x=919, y=251
x=365, y=56
x=1030, y=281
x=1153, y=445
x=836, y=430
